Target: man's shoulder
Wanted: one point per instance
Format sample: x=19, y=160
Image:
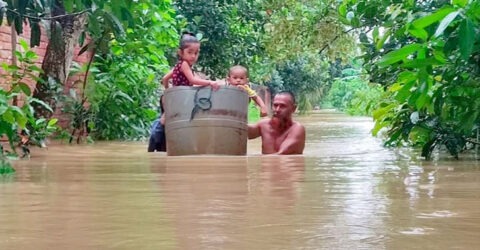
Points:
x=264, y=122
x=297, y=126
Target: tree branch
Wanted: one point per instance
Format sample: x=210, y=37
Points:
x=334, y=39
x=45, y=18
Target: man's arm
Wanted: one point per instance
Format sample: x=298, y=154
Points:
x=295, y=141
x=253, y=131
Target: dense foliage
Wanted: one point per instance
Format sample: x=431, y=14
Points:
x=427, y=55
x=230, y=32
x=353, y=94
x=124, y=89
x=298, y=27
x=14, y=117
x=421, y=58
x=308, y=77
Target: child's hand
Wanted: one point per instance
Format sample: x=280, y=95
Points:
x=215, y=86
x=263, y=112
x=242, y=87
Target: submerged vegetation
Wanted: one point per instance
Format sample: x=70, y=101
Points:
x=412, y=65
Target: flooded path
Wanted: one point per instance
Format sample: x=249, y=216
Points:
x=347, y=191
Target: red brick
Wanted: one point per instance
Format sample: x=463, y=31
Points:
x=5, y=56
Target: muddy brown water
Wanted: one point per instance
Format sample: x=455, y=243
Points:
x=345, y=192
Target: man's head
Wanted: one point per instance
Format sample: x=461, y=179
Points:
x=238, y=75
x=284, y=105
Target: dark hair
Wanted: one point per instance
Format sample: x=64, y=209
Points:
x=187, y=39
x=240, y=67
x=287, y=92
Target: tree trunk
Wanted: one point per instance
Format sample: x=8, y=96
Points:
x=64, y=34
x=14, y=56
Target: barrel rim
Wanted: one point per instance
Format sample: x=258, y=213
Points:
x=180, y=88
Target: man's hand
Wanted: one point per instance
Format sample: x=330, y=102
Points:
x=263, y=112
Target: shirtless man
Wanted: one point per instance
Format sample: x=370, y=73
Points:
x=280, y=134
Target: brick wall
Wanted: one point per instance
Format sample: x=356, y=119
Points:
x=6, y=56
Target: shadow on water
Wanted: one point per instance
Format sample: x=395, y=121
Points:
x=346, y=191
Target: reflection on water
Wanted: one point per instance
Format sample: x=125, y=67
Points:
x=345, y=192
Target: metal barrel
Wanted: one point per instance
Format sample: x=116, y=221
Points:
x=199, y=120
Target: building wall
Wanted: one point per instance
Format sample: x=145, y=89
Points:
x=6, y=57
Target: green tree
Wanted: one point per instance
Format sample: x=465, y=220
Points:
x=230, y=31
x=426, y=54
x=297, y=27
x=307, y=38
x=123, y=90
x=308, y=77
x=69, y=22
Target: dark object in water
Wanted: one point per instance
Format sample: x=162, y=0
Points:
x=25, y=140
x=157, y=140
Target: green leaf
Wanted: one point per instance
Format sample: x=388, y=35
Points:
x=79, y=5
x=18, y=25
x=122, y=94
x=460, y=3
x=399, y=55
x=1, y=17
x=440, y=56
x=52, y=122
x=17, y=109
x=342, y=10
x=126, y=15
x=21, y=6
x=35, y=34
x=8, y=117
x=380, y=112
x=115, y=25
x=423, y=98
x=467, y=39
x=418, y=63
x=445, y=23
x=375, y=34
x=3, y=108
x=432, y=18
x=30, y=55
x=87, y=47
x=68, y=4
x=21, y=120
x=25, y=88
x=378, y=126
x=382, y=40
x=419, y=33
x=93, y=25
x=81, y=38
x=404, y=92
x=24, y=44
x=46, y=106
x=40, y=121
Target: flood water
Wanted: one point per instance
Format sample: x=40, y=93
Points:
x=345, y=192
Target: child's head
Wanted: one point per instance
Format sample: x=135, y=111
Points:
x=238, y=75
x=189, y=48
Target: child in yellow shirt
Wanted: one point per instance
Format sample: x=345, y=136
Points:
x=238, y=76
